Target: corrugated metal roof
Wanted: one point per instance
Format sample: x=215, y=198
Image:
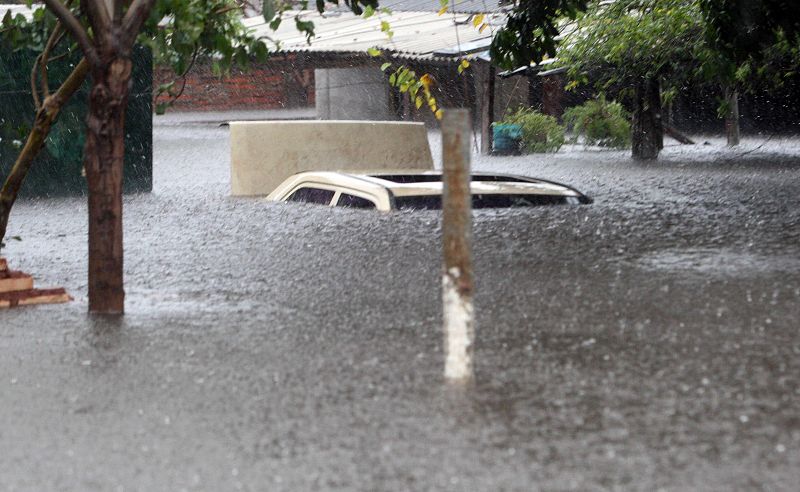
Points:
x=463, y=6
x=416, y=34
x=18, y=9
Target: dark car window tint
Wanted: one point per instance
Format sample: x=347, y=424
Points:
x=434, y=202
x=436, y=178
x=502, y=201
x=353, y=201
x=423, y=202
x=311, y=195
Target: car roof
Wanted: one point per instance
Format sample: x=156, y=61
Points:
x=413, y=183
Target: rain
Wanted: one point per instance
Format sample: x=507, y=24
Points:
x=646, y=341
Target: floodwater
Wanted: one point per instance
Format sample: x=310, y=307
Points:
x=647, y=341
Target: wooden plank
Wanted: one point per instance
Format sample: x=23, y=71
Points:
x=33, y=296
x=46, y=299
x=15, y=281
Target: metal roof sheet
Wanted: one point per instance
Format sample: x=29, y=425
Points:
x=469, y=6
x=18, y=9
x=416, y=34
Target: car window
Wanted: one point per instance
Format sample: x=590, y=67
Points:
x=434, y=202
x=311, y=195
x=437, y=178
x=346, y=200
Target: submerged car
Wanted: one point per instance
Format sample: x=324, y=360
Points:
x=387, y=191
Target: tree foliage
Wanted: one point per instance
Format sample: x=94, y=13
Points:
x=530, y=33
x=617, y=43
x=600, y=122
x=744, y=29
x=541, y=133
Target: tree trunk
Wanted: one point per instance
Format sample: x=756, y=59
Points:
x=487, y=109
x=45, y=117
x=647, y=130
x=732, y=118
x=673, y=132
x=103, y=158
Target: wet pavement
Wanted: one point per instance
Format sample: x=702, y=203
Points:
x=648, y=341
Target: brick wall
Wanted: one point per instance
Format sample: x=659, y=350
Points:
x=272, y=85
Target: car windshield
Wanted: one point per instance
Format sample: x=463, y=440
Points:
x=434, y=202
x=437, y=178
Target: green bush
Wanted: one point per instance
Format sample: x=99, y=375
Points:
x=540, y=132
x=600, y=122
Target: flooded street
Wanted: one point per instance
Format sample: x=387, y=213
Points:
x=648, y=341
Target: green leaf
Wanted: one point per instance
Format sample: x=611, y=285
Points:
x=261, y=51
x=373, y=52
x=166, y=87
x=385, y=66
x=305, y=26
x=368, y=12
x=161, y=108
x=268, y=10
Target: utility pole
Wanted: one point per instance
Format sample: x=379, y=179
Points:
x=457, y=283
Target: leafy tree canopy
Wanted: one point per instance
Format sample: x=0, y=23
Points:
x=634, y=39
x=627, y=40
x=742, y=29
x=531, y=31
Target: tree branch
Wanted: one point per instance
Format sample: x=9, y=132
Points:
x=37, y=103
x=99, y=17
x=75, y=28
x=117, y=15
x=134, y=18
x=45, y=116
x=52, y=42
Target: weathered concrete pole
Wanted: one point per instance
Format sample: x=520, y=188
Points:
x=457, y=285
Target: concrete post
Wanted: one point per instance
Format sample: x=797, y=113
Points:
x=457, y=284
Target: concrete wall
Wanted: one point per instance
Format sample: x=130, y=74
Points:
x=360, y=93
x=265, y=153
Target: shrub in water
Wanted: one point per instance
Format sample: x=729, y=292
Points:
x=540, y=132
x=600, y=122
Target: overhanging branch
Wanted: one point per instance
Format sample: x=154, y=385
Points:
x=134, y=18
x=74, y=27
